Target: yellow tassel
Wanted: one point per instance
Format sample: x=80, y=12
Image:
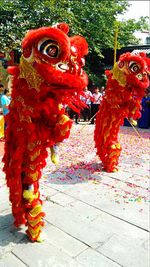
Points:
x=54, y=154
x=34, y=175
x=63, y=119
x=29, y=195
x=1, y=126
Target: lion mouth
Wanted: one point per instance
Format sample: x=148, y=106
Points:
x=64, y=67
x=68, y=68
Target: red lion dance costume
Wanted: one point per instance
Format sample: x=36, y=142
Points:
x=125, y=88
x=49, y=75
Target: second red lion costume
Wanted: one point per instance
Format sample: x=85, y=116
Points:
x=50, y=75
x=125, y=88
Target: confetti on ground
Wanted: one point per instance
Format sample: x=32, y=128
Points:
x=80, y=164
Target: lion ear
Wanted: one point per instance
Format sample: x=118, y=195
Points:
x=142, y=54
x=62, y=26
x=13, y=70
x=28, y=54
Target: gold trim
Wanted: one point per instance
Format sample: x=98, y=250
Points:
x=31, y=76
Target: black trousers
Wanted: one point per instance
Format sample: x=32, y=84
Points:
x=94, y=110
x=73, y=114
x=86, y=113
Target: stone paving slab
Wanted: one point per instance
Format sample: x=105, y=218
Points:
x=96, y=220
x=6, y=218
x=91, y=258
x=93, y=218
x=121, y=175
x=139, y=171
x=135, y=235
x=107, y=200
x=142, y=181
x=43, y=255
x=125, y=253
x=76, y=226
x=11, y=260
x=5, y=205
x=9, y=238
x=3, y=193
x=62, y=199
x=64, y=241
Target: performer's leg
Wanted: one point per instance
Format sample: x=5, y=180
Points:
x=76, y=117
x=84, y=114
x=55, y=153
x=17, y=206
x=31, y=194
x=111, y=159
x=89, y=112
x=94, y=109
x=34, y=214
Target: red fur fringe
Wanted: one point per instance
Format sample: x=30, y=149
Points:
x=35, y=116
x=118, y=103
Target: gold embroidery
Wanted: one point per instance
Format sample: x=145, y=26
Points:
x=27, y=72
x=31, y=146
x=23, y=118
x=34, y=232
x=36, y=210
x=32, y=167
x=35, y=222
x=34, y=176
x=25, y=107
x=35, y=155
x=119, y=75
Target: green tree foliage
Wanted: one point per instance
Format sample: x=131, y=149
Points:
x=93, y=19
x=128, y=28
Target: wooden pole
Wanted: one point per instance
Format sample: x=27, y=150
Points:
x=115, y=43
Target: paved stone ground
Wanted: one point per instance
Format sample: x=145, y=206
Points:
x=93, y=218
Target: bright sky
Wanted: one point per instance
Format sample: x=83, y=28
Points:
x=136, y=10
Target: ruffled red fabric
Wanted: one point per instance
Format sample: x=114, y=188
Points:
x=35, y=119
x=119, y=102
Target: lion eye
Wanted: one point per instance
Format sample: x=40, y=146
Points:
x=49, y=48
x=121, y=64
x=134, y=67
x=139, y=76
